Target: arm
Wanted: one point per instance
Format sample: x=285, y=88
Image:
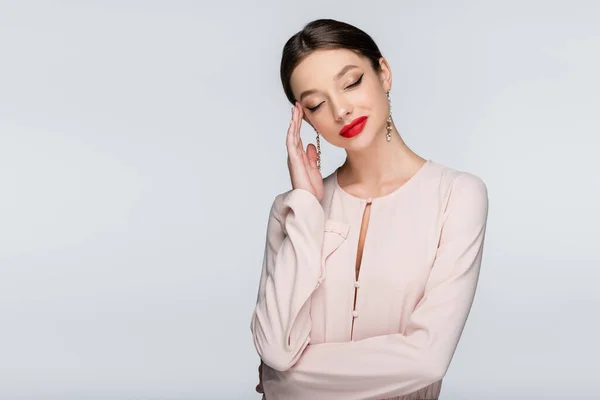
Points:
x=399, y=364
x=291, y=271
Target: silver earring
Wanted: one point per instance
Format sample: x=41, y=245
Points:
x=388, y=135
x=318, y=151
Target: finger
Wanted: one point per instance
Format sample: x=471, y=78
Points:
x=293, y=115
x=295, y=127
x=311, y=154
x=298, y=115
x=297, y=132
x=300, y=110
x=303, y=154
x=291, y=141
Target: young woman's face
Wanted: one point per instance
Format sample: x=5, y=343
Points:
x=335, y=87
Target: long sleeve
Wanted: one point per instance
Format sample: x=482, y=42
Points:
x=399, y=364
x=291, y=271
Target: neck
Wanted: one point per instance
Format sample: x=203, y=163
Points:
x=381, y=162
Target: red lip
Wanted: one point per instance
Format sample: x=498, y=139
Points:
x=347, y=130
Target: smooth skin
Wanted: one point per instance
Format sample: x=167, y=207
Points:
x=302, y=164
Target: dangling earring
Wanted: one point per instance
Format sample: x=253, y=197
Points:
x=388, y=135
x=318, y=151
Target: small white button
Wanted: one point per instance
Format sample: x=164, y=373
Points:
x=356, y=284
x=355, y=314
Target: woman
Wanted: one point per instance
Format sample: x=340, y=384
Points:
x=369, y=273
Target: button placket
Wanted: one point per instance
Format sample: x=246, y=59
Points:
x=355, y=311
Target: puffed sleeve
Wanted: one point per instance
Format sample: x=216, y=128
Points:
x=398, y=364
x=291, y=271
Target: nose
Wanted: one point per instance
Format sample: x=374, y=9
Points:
x=341, y=108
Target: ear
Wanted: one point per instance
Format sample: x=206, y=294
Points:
x=385, y=75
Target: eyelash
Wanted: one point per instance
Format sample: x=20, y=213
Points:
x=313, y=109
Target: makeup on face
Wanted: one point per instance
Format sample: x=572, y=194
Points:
x=338, y=76
x=354, y=128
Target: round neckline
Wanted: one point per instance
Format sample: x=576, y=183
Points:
x=399, y=189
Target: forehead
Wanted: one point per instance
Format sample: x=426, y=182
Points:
x=320, y=67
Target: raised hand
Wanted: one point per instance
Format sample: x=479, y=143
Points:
x=302, y=164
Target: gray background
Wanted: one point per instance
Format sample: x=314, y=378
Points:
x=142, y=142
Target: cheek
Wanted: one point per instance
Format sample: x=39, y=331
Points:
x=370, y=98
x=380, y=104
x=328, y=131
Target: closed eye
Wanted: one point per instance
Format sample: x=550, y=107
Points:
x=357, y=82
x=313, y=109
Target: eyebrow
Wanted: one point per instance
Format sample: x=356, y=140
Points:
x=337, y=76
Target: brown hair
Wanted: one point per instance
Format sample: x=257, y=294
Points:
x=325, y=34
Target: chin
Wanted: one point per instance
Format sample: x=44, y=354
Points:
x=363, y=141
